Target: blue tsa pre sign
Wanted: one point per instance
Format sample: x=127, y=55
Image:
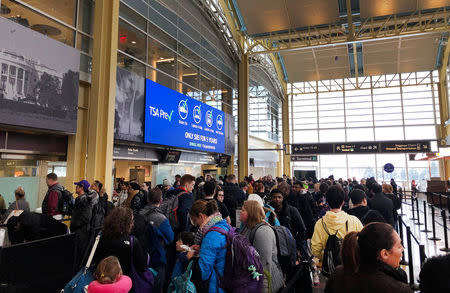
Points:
x=389, y=168
x=173, y=119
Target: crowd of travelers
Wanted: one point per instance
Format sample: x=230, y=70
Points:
x=221, y=235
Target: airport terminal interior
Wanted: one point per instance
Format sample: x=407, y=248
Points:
x=150, y=140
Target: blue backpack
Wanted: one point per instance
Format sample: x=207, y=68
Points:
x=183, y=283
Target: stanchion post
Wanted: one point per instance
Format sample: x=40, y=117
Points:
x=425, y=230
x=433, y=223
x=412, y=209
x=432, y=198
x=400, y=230
x=444, y=220
x=418, y=212
x=423, y=256
x=410, y=256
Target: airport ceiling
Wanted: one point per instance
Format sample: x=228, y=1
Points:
x=316, y=41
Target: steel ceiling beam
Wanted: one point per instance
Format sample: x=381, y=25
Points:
x=373, y=28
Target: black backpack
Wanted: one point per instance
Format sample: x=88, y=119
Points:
x=169, y=208
x=65, y=202
x=331, y=254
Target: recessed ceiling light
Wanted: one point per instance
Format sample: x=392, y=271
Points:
x=133, y=42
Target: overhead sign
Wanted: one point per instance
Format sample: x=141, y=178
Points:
x=389, y=168
x=362, y=147
x=321, y=148
x=303, y=158
x=406, y=146
x=173, y=119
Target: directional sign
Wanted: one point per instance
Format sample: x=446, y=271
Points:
x=369, y=147
x=303, y=158
x=416, y=146
x=405, y=146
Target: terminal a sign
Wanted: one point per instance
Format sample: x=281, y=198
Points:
x=362, y=147
x=174, y=119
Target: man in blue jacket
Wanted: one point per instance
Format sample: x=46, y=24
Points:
x=159, y=236
x=185, y=201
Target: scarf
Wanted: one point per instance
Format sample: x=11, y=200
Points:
x=203, y=229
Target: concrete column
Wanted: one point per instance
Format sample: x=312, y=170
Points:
x=103, y=92
x=243, y=118
x=77, y=144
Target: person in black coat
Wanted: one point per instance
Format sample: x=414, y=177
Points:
x=361, y=211
x=288, y=216
x=116, y=240
x=299, y=187
x=232, y=197
x=301, y=203
x=389, y=192
x=381, y=203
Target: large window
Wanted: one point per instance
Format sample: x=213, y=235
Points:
x=67, y=21
x=377, y=108
x=173, y=44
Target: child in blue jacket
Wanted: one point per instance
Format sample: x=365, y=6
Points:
x=184, y=241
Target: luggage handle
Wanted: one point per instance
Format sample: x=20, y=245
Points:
x=91, y=255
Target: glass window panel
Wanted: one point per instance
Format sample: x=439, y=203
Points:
x=130, y=64
x=355, y=160
x=64, y=10
x=84, y=43
x=389, y=133
x=360, y=134
x=333, y=160
x=359, y=124
x=132, y=17
x=332, y=135
x=39, y=23
x=161, y=57
x=305, y=136
x=86, y=17
x=360, y=173
x=420, y=132
x=336, y=171
x=187, y=72
x=131, y=41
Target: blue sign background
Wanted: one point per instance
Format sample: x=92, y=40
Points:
x=174, y=119
x=389, y=168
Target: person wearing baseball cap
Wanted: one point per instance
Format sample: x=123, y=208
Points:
x=81, y=219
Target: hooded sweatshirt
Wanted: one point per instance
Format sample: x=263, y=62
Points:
x=333, y=222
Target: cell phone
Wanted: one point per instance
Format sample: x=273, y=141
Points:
x=186, y=248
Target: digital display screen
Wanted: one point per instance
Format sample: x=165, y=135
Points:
x=174, y=119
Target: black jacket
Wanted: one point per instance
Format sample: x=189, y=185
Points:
x=384, y=206
x=290, y=218
x=382, y=279
x=366, y=215
x=81, y=214
x=396, y=202
x=232, y=195
x=120, y=247
x=301, y=203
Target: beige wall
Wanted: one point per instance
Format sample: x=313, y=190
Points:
x=123, y=168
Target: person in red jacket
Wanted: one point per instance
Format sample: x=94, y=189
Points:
x=50, y=202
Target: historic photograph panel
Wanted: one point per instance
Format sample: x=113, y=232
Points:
x=39, y=79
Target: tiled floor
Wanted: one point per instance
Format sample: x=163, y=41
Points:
x=431, y=248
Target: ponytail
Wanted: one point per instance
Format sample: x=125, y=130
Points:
x=203, y=207
x=350, y=253
x=362, y=249
x=211, y=208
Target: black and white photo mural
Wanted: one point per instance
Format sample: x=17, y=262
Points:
x=129, y=109
x=39, y=79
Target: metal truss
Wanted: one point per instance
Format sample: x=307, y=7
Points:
x=354, y=30
x=368, y=82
